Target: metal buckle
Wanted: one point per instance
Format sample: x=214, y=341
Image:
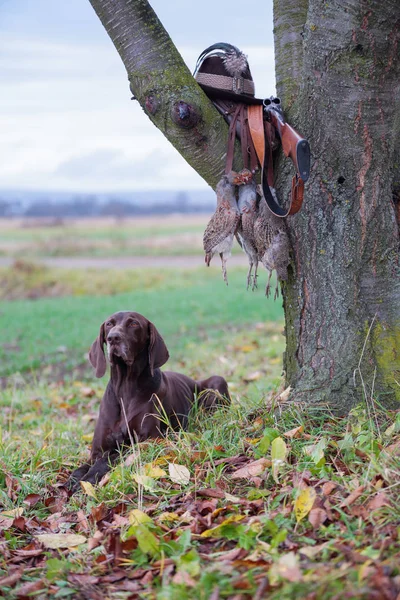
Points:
x=238, y=85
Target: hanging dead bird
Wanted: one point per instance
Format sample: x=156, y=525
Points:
x=277, y=258
x=248, y=208
x=220, y=231
x=272, y=244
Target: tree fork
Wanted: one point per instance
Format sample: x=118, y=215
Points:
x=163, y=85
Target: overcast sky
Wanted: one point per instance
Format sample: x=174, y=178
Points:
x=66, y=118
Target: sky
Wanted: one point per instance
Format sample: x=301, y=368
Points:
x=67, y=120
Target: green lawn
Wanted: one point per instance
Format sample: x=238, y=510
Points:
x=186, y=306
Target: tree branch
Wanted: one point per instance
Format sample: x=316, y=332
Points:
x=164, y=86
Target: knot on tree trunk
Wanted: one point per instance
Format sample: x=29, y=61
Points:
x=185, y=115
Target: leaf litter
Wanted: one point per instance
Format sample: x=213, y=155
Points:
x=258, y=507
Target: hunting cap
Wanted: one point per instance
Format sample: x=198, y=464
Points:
x=222, y=71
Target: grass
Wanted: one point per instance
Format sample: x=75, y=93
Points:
x=106, y=237
x=187, y=306
x=263, y=499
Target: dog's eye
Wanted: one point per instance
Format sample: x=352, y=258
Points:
x=133, y=324
x=109, y=324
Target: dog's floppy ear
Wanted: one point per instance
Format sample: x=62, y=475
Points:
x=158, y=351
x=96, y=354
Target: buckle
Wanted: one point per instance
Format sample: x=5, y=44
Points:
x=238, y=85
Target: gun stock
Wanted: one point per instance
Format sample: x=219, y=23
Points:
x=294, y=146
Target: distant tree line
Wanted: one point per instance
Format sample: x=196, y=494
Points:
x=90, y=205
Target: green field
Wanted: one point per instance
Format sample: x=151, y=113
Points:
x=170, y=235
x=263, y=499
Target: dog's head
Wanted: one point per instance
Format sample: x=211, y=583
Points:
x=126, y=335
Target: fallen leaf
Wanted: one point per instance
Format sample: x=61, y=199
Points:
x=233, y=499
x=317, y=516
x=12, y=513
x=87, y=392
x=60, y=540
x=179, y=473
x=88, y=489
x=304, y=503
x=148, y=542
x=287, y=567
x=131, y=459
x=169, y=518
x=378, y=501
x=11, y=579
x=147, y=482
x=313, y=551
x=152, y=470
x=96, y=540
x=32, y=499
x=247, y=348
x=294, y=433
x=328, y=487
x=283, y=396
x=252, y=469
x=355, y=494
x=316, y=451
x=278, y=455
x=26, y=589
x=216, y=531
x=138, y=517
x=253, y=376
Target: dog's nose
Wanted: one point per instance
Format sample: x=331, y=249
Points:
x=113, y=337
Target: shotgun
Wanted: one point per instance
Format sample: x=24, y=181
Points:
x=294, y=146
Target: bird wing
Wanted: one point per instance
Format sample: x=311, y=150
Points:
x=223, y=223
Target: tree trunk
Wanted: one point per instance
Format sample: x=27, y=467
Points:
x=337, y=74
x=342, y=300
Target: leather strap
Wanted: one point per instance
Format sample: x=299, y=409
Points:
x=261, y=134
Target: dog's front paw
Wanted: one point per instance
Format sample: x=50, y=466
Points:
x=73, y=483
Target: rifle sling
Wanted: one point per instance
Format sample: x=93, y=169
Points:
x=260, y=132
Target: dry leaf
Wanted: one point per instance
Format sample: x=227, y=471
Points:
x=131, y=459
x=328, y=487
x=60, y=540
x=304, y=503
x=353, y=496
x=294, y=433
x=179, y=473
x=313, y=551
x=378, y=501
x=96, y=540
x=253, y=376
x=88, y=489
x=283, y=396
x=252, y=469
x=287, y=567
x=32, y=499
x=216, y=531
x=317, y=516
x=87, y=392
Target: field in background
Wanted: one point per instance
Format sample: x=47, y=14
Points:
x=170, y=235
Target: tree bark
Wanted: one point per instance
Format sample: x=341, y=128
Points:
x=164, y=86
x=338, y=68
x=342, y=300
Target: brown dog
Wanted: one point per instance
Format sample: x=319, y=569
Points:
x=140, y=401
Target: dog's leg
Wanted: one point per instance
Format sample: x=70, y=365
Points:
x=213, y=392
